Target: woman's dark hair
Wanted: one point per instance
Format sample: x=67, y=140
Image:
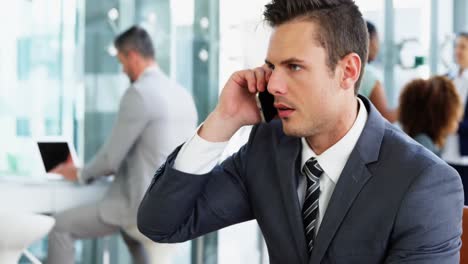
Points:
x=371, y=29
x=430, y=107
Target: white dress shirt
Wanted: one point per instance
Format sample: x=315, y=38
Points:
x=451, y=150
x=199, y=156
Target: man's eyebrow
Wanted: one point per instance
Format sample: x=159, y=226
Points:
x=286, y=62
x=267, y=62
x=292, y=61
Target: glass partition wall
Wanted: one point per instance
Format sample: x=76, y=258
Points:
x=171, y=26
x=39, y=76
x=416, y=40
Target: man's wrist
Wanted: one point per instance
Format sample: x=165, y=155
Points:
x=218, y=127
x=79, y=176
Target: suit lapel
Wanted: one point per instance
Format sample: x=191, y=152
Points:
x=353, y=178
x=288, y=153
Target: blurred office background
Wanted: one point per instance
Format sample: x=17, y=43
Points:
x=59, y=77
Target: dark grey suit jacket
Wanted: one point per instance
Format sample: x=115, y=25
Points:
x=395, y=201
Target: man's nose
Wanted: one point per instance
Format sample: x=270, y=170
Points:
x=277, y=84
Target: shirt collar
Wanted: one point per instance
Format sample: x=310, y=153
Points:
x=456, y=74
x=151, y=68
x=334, y=158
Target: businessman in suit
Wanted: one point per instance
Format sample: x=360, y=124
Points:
x=331, y=181
x=155, y=116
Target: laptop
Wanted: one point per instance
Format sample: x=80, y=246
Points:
x=56, y=150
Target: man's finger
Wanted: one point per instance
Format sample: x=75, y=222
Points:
x=249, y=76
x=57, y=168
x=260, y=77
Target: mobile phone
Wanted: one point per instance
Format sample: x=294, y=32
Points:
x=265, y=102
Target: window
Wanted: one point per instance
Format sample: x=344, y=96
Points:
x=38, y=79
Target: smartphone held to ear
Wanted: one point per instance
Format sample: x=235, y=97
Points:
x=265, y=102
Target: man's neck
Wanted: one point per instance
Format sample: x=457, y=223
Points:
x=143, y=66
x=321, y=142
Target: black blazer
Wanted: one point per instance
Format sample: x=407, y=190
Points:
x=463, y=133
x=394, y=202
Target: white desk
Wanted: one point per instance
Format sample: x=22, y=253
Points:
x=47, y=196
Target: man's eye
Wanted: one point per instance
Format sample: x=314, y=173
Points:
x=294, y=67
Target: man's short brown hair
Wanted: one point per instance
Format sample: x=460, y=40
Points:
x=342, y=29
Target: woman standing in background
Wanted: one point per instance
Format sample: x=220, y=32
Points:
x=371, y=87
x=456, y=147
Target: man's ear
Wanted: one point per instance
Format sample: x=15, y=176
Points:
x=351, y=66
x=131, y=54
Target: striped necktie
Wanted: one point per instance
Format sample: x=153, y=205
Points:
x=312, y=171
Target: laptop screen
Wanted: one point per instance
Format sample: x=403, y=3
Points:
x=55, y=152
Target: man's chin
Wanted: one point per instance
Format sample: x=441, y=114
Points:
x=290, y=130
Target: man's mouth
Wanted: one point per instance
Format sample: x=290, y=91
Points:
x=284, y=110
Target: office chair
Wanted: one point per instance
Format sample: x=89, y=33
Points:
x=464, y=248
x=18, y=230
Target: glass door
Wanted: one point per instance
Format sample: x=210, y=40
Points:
x=243, y=44
x=415, y=41
x=38, y=79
